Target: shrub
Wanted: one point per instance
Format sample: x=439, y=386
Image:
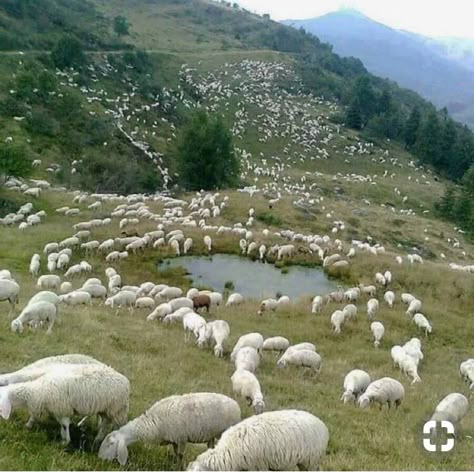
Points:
x=14, y=161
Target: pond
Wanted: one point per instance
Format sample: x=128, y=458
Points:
x=252, y=279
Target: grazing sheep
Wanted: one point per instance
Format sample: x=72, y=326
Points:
x=275, y=440
x=385, y=390
x=95, y=290
x=49, y=282
x=208, y=243
x=378, y=331
x=144, y=302
x=44, y=296
x=67, y=390
x=372, y=308
x=160, y=312
x=65, y=287
x=301, y=358
x=9, y=291
x=389, y=298
x=407, y=298
x=192, y=323
x=51, y=247
x=38, y=311
x=245, y=384
x=380, y=279
x=188, y=244
x=254, y=340
x=276, y=343
x=337, y=320
x=369, y=290
x=466, y=370
x=35, y=265
x=355, y=384
x=125, y=298
x=247, y=358
x=181, y=302
x=302, y=346
x=177, y=420
x=216, y=332
x=78, y=297
x=317, y=304
x=168, y=293
x=452, y=408
x=414, y=307
x=350, y=312
x=270, y=304
x=202, y=301
x=234, y=299
x=421, y=321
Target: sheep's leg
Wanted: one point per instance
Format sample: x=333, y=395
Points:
x=211, y=443
x=103, y=426
x=65, y=422
x=179, y=450
x=50, y=327
x=30, y=422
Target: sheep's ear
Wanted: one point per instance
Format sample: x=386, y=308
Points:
x=5, y=406
x=122, y=452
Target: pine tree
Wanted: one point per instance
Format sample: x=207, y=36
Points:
x=411, y=128
x=353, y=115
x=446, y=204
x=428, y=143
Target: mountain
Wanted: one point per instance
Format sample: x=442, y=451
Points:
x=460, y=50
x=427, y=66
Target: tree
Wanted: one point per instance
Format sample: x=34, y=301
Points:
x=411, y=128
x=353, y=115
x=121, y=26
x=205, y=154
x=68, y=52
x=446, y=204
x=384, y=104
x=428, y=143
x=365, y=95
x=14, y=162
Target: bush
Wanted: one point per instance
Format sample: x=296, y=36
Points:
x=68, y=52
x=205, y=154
x=269, y=219
x=14, y=162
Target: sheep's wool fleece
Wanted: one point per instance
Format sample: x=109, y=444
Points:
x=276, y=440
x=194, y=417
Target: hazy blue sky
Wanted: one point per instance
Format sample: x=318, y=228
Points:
x=428, y=17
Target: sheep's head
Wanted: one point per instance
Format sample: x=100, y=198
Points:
x=348, y=397
x=281, y=363
x=5, y=404
x=364, y=401
x=114, y=447
x=17, y=326
x=258, y=406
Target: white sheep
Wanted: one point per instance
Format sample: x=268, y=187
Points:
x=37, y=311
x=145, y=302
x=181, y=302
x=301, y=358
x=77, y=297
x=350, y=312
x=385, y=390
x=422, y=322
x=66, y=287
x=269, y=304
x=168, y=293
x=49, y=282
x=160, y=312
x=234, y=299
x=276, y=440
x=337, y=320
x=378, y=331
x=355, y=384
x=372, y=308
x=44, y=296
x=245, y=384
x=95, y=290
x=254, y=340
x=407, y=298
x=389, y=298
x=9, y=291
x=247, y=358
x=177, y=420
x=215, y=332
x=192, y=323
x=208, y=243
x=51, y=247
x=414, y=307
x=452, y=408
x=67, y=390
x=302, y=346
x=276, y=343
x=317, y=304
x=369, y=290
x=35, y=265
x=466, y=370
x=125, y=298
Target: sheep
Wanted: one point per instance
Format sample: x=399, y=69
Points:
x=192, y=322
x=70, y=242
x=276, y=343
x=234, y=299
x=275, y=440
x=283, y=301
x=125, y=298
x=413, y=349
x=350, y=312
x=38, y=311
x=355, y=384
x=177, y=420
x=421, y=321
x=51, y=247
x=5, y=275
x=115, y=281
x=385, y=390
x=216, y=332
x=174, y=244
x=77, y=297
x=466, y=370
x=9, y=291
x=302, y=358
x=407, y=363
x=91, y=281
x=42, y=366
x=67, y=390
x=144, y=302
x=407, y=298
x=49, y=282
x=389, y=298
x=208, y=243
x=337, y=320
x=169, y=293
x=285, y=251
x=160, y=312
x=378, y=331
x=216, y=298
x=452, y=408
x=188, y=244
x=254, y=340
x=388, y=277
x=414, y=307
x=66, y=287
x=369, y=290
x=35, y=265
x=270, y=304
x=181, y=302
x=380, y=279
x=372, y=308
x=44, y=296
x=202, y=301
x=302, y=346
x=95, y=290
x=317, y=304
x=247, y=358
x=245, y=384
x=177, y=316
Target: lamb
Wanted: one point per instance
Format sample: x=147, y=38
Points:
x=216, y=332
x=421, y=321
x=452, y=408
x=389, y=298
x=414, y=307
x=254, y=340
x=301, y=358
x=372, y=308
x=385, y=390
x=337, y=320
x=68, y=390
x=247, y=358
x=378, y=331
x=406, y=363
x=179, y=419
x=202, y=301
x=9, y=291
x=275, y=440
x=192, y=323
x=49, y=282
x=234, y=299
x=77, y=297
x=144, y=302
x=40, y=367
x=245, y=384
x=125, y=298
x=38, y=311
x=350, y=312
x=276, y=343
x=355, y=384
x=317, y=304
